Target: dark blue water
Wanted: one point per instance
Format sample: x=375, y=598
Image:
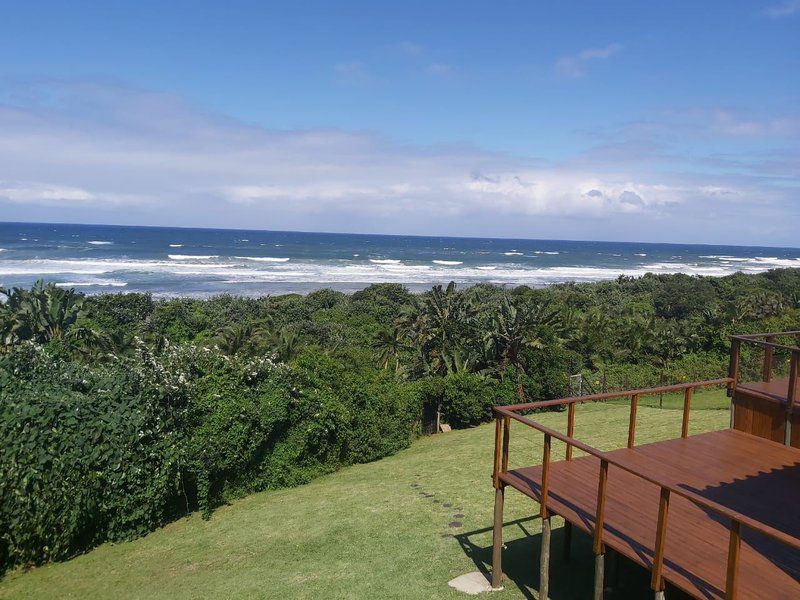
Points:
x=201, y=262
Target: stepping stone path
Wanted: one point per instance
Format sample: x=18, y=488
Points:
x=459, y=515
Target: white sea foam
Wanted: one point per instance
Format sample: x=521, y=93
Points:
x=513, y=253
x=176, y=245
x=99, y=243
x=384, y=261
x=194, y=271
x=98, y=283
x=545, y=252
x=448, y=262
x=192, y=256
x=640, y=254
x=269, y=259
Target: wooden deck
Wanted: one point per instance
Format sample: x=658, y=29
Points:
x=752, y=476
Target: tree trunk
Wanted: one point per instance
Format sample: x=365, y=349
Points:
x=520, y=388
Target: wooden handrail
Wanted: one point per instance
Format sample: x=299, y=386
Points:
x=750, y=336
x=678, y=387
x=724, y=511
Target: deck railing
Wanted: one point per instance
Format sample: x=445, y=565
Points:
x=505, y=414
x=767, y=342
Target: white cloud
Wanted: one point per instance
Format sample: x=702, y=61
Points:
x=784, y=9
x=576, y=65
x=145, y=157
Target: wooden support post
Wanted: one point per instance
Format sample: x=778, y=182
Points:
x=567, y=549
x=657, y=581
x=570, y=427
x=687, y=406
x=599, y=572
x=766, y=370
x=544, y=560
x=734, y=544
x=599, y=550
x=497, y=541
x=632, y=421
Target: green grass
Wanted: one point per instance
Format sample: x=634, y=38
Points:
x=363, y=532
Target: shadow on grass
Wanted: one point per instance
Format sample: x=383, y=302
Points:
x=568, y=580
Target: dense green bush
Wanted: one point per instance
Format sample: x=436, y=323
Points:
x=110, y=452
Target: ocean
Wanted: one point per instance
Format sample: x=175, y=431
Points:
x=202, y=262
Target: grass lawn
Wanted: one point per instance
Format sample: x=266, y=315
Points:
x=367, y=531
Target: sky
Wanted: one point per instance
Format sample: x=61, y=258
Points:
x=639, y=121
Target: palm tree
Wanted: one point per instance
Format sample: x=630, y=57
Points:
x=41, y=314
x=440, y=325
x=237, y=337
x=390, y=343
x=513, y=330
x=286, y=344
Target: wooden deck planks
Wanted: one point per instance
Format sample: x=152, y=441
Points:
x=746, y=473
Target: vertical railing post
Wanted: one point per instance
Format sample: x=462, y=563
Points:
x=632, y=420
x=791, y=395
x=766, y=370
x=733, y=373
x=599, y=521
x=497, y=449
x=570, y=427
x=506, y=435
x=687, y=406
x=733, y=365
x=657, y=580
x=544, y=550
x=500, y=465
x=734, y=544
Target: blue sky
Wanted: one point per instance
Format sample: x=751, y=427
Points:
x=603, y=120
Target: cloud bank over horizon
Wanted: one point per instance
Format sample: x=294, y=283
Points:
x=82, y=151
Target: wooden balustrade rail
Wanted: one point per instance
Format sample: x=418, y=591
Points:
x=504, y=414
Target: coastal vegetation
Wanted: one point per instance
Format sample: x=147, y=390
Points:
x=120, y=413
